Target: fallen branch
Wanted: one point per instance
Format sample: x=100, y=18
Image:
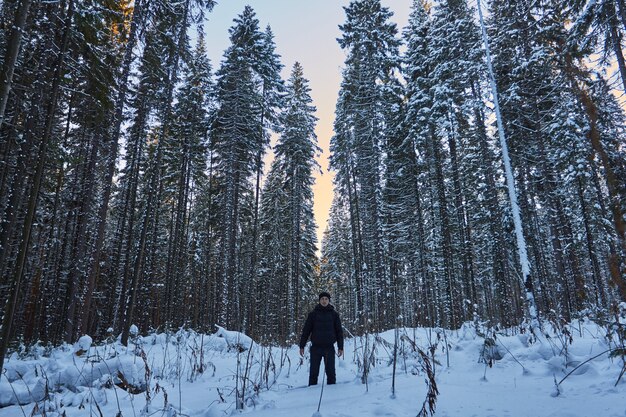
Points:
x=581, y=364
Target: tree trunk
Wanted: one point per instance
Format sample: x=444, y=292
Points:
x=452, y=313
x=601, y=298
x=125, y=234
x=424, y=267
x=10, y=220
x=357, y=247
x=79, y=260
x=296, y=206
x=257, y=190
x=462, y=222
x=51, y=255
x=10, y=57
x=500, y=270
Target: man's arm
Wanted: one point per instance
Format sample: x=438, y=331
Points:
x=339, y=335
x=306, y=331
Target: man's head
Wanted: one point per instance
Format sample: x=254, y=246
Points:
x=324, y=298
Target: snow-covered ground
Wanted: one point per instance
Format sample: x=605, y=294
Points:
x=194, y=375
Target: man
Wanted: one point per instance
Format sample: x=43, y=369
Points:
x=324, y=327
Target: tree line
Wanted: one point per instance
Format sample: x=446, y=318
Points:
x=134, y=191
x=131, y=173
x=421, y=229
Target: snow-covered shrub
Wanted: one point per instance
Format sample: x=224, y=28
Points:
x=234, y=340
x=83, y=345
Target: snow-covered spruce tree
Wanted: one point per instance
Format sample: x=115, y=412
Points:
x=203, y=224
x=491, y=271
x=402, y=214
x=401, y=210
x=274, y=257
x=17, y=150
x=345, y=203
x=442, y=68
x=295, y=152
x=184, y=159
x=421, y=131
x=153, y=248
x=414, y=177
x=496, y=282
x=268, y=68
x=238, y=136
x=456, y=59
x=126, y=199
x=128, y=40
x=369, y=39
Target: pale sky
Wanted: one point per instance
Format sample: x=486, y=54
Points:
x=305, y=31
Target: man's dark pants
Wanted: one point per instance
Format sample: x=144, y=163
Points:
x=317, y=353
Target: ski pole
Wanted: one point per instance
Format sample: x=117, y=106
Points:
x=317, y=413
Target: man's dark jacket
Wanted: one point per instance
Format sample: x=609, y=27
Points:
x=324, y=327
